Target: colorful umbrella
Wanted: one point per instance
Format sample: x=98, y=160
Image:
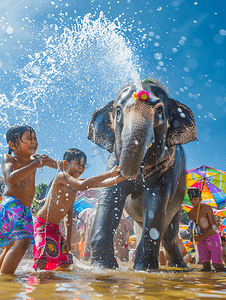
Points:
x=214, y=185
x=86, y=199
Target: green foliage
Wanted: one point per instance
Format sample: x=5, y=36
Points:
x=40, y=191
x=39, y=195
x=34, y=207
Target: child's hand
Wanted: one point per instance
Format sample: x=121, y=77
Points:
x=45, y=160
x=60, y=164
x=115, y=171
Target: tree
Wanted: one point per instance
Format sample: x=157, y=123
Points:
x=39, y=195
x=41, y=191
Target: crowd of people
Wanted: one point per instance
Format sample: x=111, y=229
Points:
x=19, y=230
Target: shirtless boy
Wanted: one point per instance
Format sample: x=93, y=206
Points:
x=209, y=246
x=51, y=249
x=16, y=226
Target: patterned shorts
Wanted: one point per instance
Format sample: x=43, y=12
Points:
x=210, y=248
x=48, y=245
x=15, y=222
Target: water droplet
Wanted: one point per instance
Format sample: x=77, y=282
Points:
x=150, y=214
x=218, y=38
x=188, y=81
x=158, y=56
x=175, y=3
x=205, y=136
x=197, y=43
x=222, y=32
x=192, y=63
x=9, y=30
x=219, y=101
x=154, y=234
x=181, y=43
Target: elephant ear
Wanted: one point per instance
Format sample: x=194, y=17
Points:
x=182, y=128
x=101, y=131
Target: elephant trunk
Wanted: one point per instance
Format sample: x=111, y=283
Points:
x=136, y=139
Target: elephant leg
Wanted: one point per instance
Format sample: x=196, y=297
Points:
x=170, y=244
x=107, y=218
x=147, y=252
x=148, y=249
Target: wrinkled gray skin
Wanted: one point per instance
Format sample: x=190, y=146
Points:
x=144, y=137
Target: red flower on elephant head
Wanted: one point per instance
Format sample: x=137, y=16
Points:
x=142, y=96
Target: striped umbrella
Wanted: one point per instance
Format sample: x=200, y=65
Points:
x=214, y=186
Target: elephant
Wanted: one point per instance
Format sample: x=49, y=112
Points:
x=144, y=130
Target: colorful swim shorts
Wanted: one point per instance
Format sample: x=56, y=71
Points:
x=48, y=245
x=15, y=222
x=210, y=248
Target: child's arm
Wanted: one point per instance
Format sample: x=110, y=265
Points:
x=13, y=176
x=88, y=183
x=68, y=228
x=191, y=215
x=111, y=181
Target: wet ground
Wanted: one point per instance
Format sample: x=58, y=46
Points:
x=84, y=282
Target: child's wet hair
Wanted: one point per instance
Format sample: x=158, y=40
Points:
x=194, y=193
x=14, y=133
x=72, y=154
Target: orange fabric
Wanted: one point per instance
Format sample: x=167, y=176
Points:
x=81, y=248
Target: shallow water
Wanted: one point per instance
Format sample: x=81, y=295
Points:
x=84, y=282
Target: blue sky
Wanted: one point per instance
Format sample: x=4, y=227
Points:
x=60, y=60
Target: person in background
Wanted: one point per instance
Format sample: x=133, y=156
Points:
x=186, y=255
x=206, y=236
x=81, y=244
x=19, y=169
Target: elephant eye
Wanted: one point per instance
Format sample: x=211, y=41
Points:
x=119, y=115
x=159, y=111
x=118, y=111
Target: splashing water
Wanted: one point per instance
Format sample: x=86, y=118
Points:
x=79, y=69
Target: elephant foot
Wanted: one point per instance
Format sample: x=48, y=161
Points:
x=106, y=264
x=145, y=266
x=181, y=264
x=104, y=259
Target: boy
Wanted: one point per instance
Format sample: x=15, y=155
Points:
x=16, y=226
x=48, y=250
x=208, y=241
